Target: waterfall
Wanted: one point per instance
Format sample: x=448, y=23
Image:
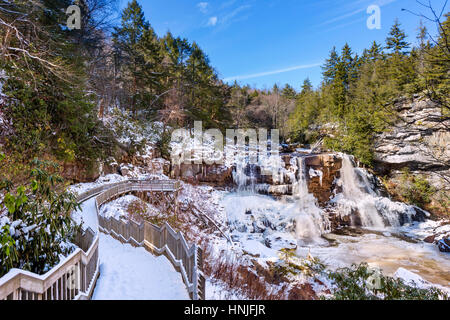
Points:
x=311, y=221
x=374, y=211
x=358, y=196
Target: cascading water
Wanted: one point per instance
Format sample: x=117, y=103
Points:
x=358, y=195
x=311, y=221
x=298, y=214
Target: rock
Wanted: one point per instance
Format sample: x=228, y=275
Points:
x=322, y=185
x=78, y=172
x=124, y=170
x=280, y=190
x=303, y=292
x=444, y=245
x=419, y=140
x=421, y=215
x=110, y=166
x=280, y=240
x=430, y=239
x=218, y=175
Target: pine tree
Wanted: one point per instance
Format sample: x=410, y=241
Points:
x=374, y=53
x=46, y=84
x=306, y=86
x=288, y=92
x=329, y=69
x=439, y=65
x=127, y=41
x=396, y=41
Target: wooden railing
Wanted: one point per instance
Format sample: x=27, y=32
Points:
x=158, y=240
x=73, y=278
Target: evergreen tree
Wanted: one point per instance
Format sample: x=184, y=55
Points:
x=396, y=41
x=374, y=53
x=127, y=39
x=288, y=92
x=46, y=85
x=329, y=69
x=437, y=72
x=306, y=86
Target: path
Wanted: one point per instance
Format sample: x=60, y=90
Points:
x=128, y=273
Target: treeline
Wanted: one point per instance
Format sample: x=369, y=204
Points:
x=49, y=81
x=57, y=84
x=357, y=95
x=165, y=79
x=356, y=98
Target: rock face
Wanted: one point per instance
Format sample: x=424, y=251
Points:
x=420, y=140
x=219, y=175
x=322, y=172
x=79, y=173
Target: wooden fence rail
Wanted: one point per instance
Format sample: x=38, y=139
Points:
x=75, y=276
x=158, y=240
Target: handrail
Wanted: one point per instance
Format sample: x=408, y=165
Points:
x=73, y=278
x=76, y=275
x=158, y=240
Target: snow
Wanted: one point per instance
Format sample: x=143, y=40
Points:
x=216, y=290
x=128, y=273
x=108, y=179
x=256, y=248
x=117, y=208
x=414, y=279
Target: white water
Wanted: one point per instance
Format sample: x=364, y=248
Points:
x=356, y=195
x=311, y=221
x=359, y=197
x=298, y=220
x=299, y=214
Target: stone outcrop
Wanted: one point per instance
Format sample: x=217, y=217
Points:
x=79, y=173
x=322, y=170
x=419, y=140
x=444, y=245
x=218, y=175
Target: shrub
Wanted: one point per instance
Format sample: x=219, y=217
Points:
x=416, y=189
x=290, y=264
x=36, y=227
x=359, y=282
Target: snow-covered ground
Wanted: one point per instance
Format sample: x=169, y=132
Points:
x=128, y=273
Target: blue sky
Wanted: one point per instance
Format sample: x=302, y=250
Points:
x=263, y=42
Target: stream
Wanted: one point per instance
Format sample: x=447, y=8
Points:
x=388, y=236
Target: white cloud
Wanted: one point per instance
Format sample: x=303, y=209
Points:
x=212, y=21
x=268, y=73
x=234, y=13
x=380, y=3
x=203, y=7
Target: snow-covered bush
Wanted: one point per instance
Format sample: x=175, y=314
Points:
x=36, y=229
x=360, y=282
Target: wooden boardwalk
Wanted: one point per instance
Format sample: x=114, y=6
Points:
x=75, y=277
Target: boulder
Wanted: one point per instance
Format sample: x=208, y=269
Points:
x=444, y=245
